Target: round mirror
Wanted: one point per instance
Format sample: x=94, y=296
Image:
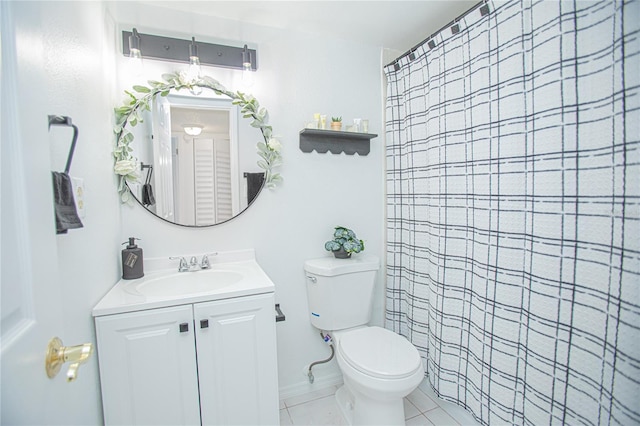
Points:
x=193, y=162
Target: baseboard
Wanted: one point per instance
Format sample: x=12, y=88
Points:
x=305, y=387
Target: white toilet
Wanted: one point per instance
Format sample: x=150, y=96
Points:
x=379, y=367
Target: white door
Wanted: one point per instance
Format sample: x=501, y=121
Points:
x=31, y=311
x=148, y=367
x=237, y=365
x=162, y=158
x=31, y=301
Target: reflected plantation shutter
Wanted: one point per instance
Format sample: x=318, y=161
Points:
x=224, y=209
x=212, y=181
x=204, y=181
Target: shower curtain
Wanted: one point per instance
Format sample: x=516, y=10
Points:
x=513, y=218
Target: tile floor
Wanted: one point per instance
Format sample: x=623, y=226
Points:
x=421, y=408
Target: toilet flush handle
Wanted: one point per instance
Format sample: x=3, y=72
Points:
x=312, y=279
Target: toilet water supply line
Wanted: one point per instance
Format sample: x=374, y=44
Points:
x=327, y=339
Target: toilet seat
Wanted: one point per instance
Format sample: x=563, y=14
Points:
x=380, y=353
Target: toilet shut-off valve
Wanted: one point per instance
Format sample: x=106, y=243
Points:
x=329, y=341
x=57, y=354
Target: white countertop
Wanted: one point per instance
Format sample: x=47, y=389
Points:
x=123, y=297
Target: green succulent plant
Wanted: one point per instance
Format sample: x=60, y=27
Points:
x=336, y=119
x=344, y=238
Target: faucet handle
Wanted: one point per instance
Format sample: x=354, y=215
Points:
x=183, y=263
x=206, y=263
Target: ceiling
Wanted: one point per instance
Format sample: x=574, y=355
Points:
x=212, y=120
x=397, y=25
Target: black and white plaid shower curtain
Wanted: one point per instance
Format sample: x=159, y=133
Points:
x=513, y=181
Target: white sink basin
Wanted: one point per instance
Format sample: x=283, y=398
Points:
x=185, y=283
x=232, y=274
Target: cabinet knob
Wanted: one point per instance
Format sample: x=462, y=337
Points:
x=204, y=323
x=184, y=327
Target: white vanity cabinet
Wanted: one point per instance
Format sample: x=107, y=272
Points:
x=211, y=363
x=148, y=370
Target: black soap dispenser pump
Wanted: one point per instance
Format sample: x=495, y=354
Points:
x=132, y=265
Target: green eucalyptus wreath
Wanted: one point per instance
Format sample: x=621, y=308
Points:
x=126, y=165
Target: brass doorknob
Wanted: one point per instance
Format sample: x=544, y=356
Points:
x=57, y=354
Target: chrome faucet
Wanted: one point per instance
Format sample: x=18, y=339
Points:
x=192, y=265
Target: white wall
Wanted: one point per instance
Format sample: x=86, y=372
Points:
x=298, y=76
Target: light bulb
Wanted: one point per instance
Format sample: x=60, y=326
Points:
x=135, y=54
x=193, y=74
x=194, y=66
x=135, y=62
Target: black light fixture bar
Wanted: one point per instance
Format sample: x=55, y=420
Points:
x=177, y=50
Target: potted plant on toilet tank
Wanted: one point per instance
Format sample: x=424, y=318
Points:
x=344, y=243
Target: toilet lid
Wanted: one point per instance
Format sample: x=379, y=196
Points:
x=378, y=352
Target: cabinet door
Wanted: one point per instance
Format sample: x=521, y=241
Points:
x=148, y=367
x=237, y=362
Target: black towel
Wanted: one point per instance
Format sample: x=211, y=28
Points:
x=147, y=195
x=254, y=184
x=147, y=190
x=64, y=204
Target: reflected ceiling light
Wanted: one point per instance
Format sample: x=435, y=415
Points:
x=176, y=50
x=192, y=129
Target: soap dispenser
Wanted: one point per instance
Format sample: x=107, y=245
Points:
x=132, y=267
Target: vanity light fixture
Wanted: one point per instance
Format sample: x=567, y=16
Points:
x=179, y=50
x=134, y=45
x=192, y=129
x=247, y=75
x=135, y=55
x=194, y=66
x=193, y=53
x=194, y=60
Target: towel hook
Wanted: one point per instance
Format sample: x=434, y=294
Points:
x=60, y=120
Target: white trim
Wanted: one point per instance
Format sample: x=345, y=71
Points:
x=304, y=387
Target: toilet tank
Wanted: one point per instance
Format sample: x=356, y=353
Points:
x=340, y=291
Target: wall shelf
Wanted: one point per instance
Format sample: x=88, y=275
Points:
x=335, y=141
